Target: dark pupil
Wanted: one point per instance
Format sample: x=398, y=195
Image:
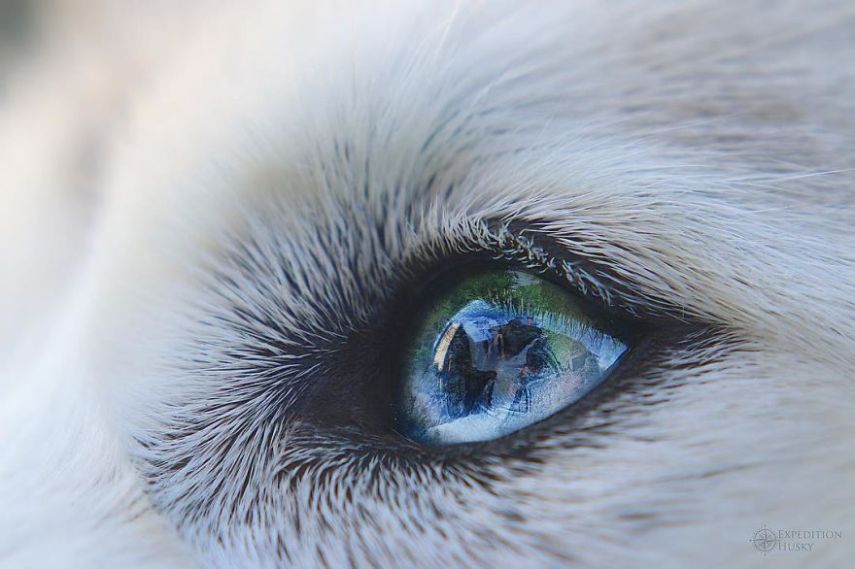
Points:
x=514, y=355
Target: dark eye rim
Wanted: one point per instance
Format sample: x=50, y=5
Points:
x=643, y=335
x=649, y=335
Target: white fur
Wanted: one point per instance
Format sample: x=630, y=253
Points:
x=703, y=151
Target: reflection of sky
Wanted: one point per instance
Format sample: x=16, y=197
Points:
x=606, y=349
x=478, y=317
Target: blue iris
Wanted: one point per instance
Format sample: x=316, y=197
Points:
x=515, y=350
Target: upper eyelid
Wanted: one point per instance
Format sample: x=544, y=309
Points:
x=529, y=244
x=394, y=275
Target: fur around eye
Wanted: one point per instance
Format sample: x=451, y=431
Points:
x=501, y=350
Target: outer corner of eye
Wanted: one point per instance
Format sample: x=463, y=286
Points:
x=501, y=350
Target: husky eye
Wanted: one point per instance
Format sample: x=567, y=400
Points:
x=498, y=351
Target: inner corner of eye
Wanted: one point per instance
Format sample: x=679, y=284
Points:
x=498, y=351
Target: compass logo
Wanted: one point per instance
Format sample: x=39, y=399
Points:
x=767, y=540
x=764, y=540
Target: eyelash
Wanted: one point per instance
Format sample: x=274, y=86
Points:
x=533, y=257
x=506, y=245
x=591, y=278
x=502, y=241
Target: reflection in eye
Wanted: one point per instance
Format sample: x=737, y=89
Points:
x=501, y=351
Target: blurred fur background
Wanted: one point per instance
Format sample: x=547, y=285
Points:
x=187, y=186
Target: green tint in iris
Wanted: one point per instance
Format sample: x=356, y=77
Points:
x=502, y=350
